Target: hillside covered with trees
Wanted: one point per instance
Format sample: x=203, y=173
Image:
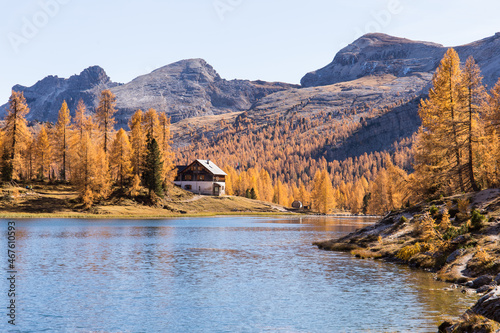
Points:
x=87, y=151
x=455, y=150
x=285, y=158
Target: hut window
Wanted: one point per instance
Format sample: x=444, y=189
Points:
x=202, y=177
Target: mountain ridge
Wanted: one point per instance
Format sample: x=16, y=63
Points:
x=376, y=53
x=376, y=81
x=183, y=89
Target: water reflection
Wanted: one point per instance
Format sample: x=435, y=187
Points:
x=215, y=274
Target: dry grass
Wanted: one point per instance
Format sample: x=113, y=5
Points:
x=475, y=323
x=63, y=201
x=366, y=254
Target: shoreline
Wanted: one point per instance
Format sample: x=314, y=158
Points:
x=464, y=253
x=139, y=217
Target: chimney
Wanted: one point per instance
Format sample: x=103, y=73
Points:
x=208, y=162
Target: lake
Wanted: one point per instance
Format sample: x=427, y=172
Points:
x=221, y=274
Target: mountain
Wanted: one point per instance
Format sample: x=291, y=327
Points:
x=184, y=89
x=366, y=101
x=190, y=88
x=376, y=53
x=373, y=84
x=46, y=96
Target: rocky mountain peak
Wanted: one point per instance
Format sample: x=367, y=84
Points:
x=46, y=96
x=197, y=70
x=377, y=53
x=93, y=75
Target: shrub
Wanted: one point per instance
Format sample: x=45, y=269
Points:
x=433, y=210
x=403, y=219
x=477, y=219
x=409, y=251
x=445, y=223
x=472, y=322
x=451, y=233
x=463, y=205
x=425, y=227
x=483, y=258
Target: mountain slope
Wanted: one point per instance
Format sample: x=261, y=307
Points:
x=190, y=88
x=184, y=89
x=46, y=96
x=376, y=53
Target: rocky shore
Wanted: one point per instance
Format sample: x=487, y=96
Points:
x=456, y=238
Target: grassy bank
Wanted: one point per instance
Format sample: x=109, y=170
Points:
x=62, y=201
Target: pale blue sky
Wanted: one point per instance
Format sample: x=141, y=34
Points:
x=273, y=40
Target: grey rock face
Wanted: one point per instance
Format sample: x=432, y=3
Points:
x=185, y=89
x=377, y=53
x=454, y=255
x=46, y=96
x=190, y=88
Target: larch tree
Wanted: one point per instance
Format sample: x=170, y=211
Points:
x=17, y=135
x=84, y=165
x=472, y=98
x=266, y=186
x=304, y=195
x=322, y=193
x=441, y=139
x=379, y=203
x=91, y=175
x=29, y=157
x=101, y=181
x=138, y=142
x=281, y=196
x=62, y=132
x=231, y=175
x=105, y=117
x=169, y=170
x=43, y=153
x=490, y=143
x=120, y=164
x=80, y=120
x=151, y=125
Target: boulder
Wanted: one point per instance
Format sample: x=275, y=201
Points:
x=479, y=282
x=452, y=257
x=489, y=305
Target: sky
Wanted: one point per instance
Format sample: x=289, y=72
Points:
x=272, y=40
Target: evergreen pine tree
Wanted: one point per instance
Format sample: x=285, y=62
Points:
x=153, y=168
